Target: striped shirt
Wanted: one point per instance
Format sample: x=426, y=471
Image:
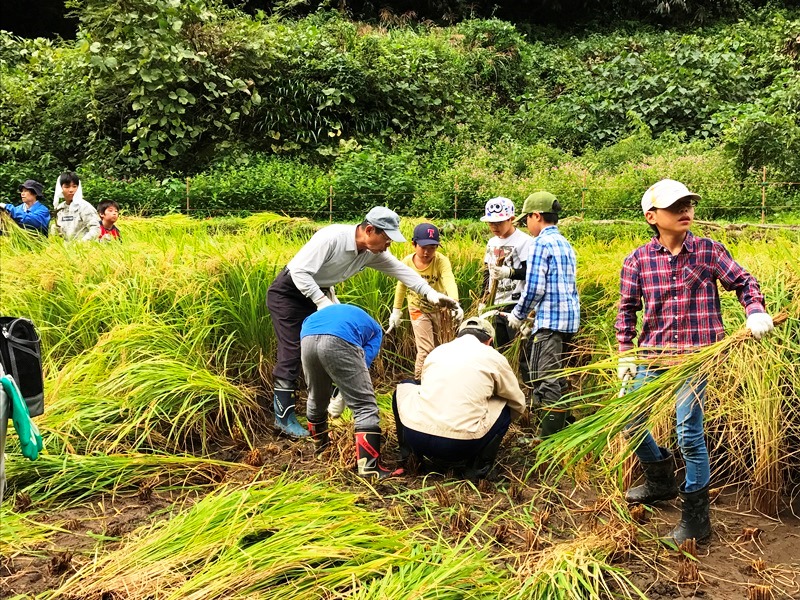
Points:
x=680, y=295
x=550, y=288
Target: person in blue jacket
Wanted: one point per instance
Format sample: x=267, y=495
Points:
x=338, y=343
x=31, y=214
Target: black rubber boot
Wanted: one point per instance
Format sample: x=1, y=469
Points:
x=553, y=421
x=484, y=461
x=285, y=419
x=319, y=435
x=368, y=455
x=659, y=481
x=695, y=520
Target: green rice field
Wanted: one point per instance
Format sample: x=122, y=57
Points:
x=162, y=477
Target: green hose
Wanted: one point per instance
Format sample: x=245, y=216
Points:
x=29, y=437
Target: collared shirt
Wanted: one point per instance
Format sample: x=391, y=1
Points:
x=35, y=218
x=349, y=323
x=465, y=386
x=438, y=274
x=680, y=295
x=331, y=256
x=77, y=220
x=550, y=288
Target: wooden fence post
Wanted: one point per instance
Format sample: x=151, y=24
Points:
x=583, y=196
x=455, y=204
x=187, y=195
x=763, y=194
x=330, y=204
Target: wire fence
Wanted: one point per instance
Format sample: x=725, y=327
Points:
x=756, y=198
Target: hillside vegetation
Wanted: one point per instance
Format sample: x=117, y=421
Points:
x=269, y=113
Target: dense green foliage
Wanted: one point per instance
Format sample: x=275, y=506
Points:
x=266, y=113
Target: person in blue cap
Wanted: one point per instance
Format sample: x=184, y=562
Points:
x=332, y=255
x=31, y=214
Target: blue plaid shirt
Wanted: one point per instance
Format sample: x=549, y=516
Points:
x=550, y=288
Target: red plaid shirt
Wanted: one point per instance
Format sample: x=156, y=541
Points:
x=680, y=294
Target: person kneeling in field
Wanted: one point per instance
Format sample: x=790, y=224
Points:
x=675, y=275
x=337, y=346
x=426, y=320
x=468, y=396
x=332, y=255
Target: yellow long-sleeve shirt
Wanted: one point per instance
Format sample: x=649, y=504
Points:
x=438, y=274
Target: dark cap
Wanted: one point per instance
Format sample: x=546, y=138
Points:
x=426, y=234
x=33, y=186
x=538, y=202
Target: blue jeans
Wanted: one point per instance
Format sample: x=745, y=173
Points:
x=688, y=426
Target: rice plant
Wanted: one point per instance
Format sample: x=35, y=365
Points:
x=285, y=537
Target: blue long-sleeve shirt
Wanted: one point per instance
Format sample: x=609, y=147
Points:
x=36, y=218
x=349, y=323
x=551, y=288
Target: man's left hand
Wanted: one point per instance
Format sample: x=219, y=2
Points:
x=760, y=324
x=514, y=322
x=500, y=272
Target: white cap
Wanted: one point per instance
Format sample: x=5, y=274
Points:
x=665, y=193
x=497, y=210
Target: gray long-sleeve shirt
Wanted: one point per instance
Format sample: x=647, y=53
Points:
x=77, y=220
x=331, y=256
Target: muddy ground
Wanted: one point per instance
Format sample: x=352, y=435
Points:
x=747, y=550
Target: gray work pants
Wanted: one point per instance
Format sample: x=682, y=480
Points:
x=549, y=350
x=329, y=360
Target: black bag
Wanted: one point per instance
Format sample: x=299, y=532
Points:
x=21, y=357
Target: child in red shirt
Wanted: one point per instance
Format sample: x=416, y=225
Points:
x=109, y=213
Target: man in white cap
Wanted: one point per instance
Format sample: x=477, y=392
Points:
x=458, y=414
x=332, y=255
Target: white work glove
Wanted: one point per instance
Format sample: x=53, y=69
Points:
x=438, y=299
x=626, y=367
x=458, y=313
x=2, y=205
x=323, y=302
x=481, y=308
x=496, y=272
x=336, y=405
x=525, y=330
x=395, y=318
x=514, y=322
x=760, y=324
x=332, y=295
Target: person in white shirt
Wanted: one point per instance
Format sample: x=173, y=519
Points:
x=456, y=417
x=332, y=255
x=76, y=219
x=513, y=245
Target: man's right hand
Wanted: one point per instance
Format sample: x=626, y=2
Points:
x=626, y=367
x=438, y=299
x=2, y=205
x=395, y=318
